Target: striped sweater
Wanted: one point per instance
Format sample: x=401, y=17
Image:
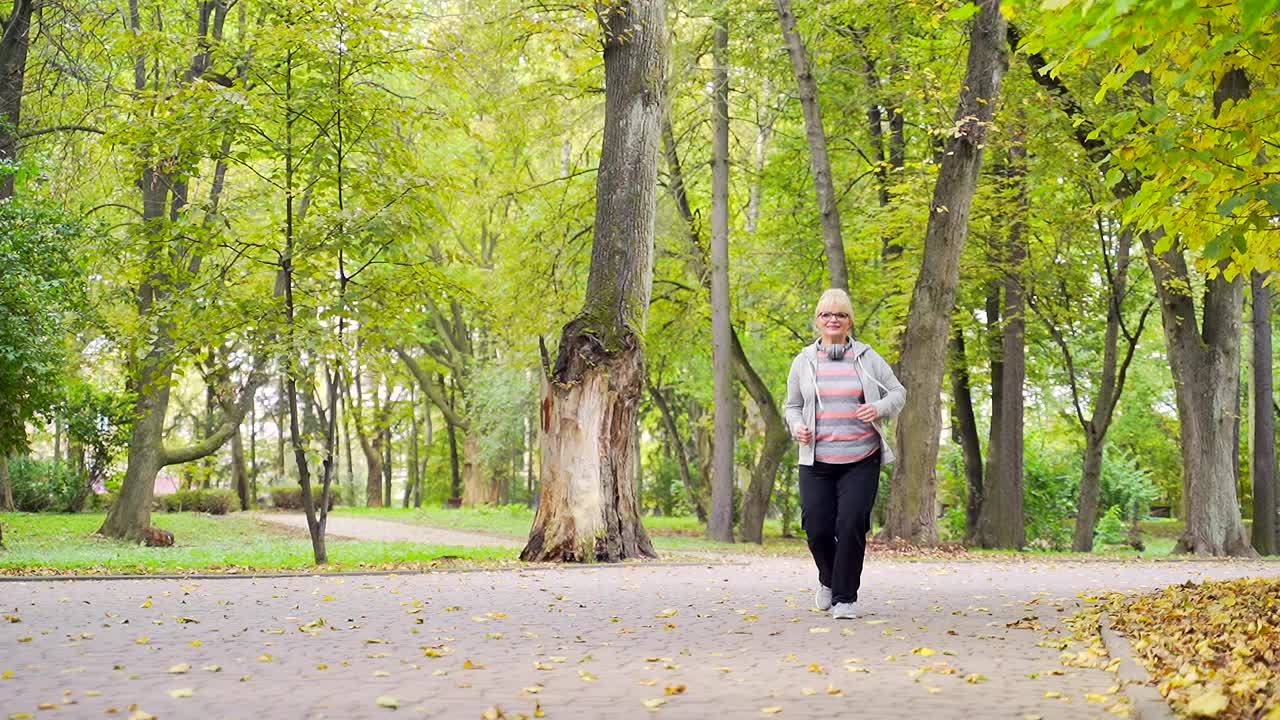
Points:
x=839, y=436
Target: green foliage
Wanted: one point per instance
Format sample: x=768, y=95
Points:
x=289, y=497
x=39, y=282
x=501, y=400
x=46, y=486
x=1051, y=484
x=233, y=543
x=213, y=501
x=99, y=421
x=1126, y=486
x=1111, y=528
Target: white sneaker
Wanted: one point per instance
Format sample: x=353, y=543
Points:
x=822, y=597
x=843, y=611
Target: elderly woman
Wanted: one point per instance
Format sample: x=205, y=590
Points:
x=838, y=391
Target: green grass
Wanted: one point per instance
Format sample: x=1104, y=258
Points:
x=56, y=543
x=677, y=534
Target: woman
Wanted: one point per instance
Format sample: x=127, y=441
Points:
x=838, y=391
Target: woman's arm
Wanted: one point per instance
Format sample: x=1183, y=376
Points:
x=895, y=395
x=794, y=404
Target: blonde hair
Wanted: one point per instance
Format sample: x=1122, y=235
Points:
x=833, y=299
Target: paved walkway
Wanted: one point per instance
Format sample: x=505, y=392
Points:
x=388, y=531
x=692, y=641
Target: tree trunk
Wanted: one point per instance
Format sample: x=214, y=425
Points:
x=819, y=161
x=6, y=486
x=1262, y=465
x=239, y=473
x=965, y=432
x=777, y=441
x=387, y=459
x=1205, y=361
x=911, y=515
x=588, y=509
x=477, y=485
x=1001, y=523
x=1110, y=387
x=411, y=486
x=720, y=521
x=15, y=38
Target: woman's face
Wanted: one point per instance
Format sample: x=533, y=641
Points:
x=834, y=323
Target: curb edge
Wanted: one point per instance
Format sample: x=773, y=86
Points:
x=1146, y=701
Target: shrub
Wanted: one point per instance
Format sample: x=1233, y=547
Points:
x=46, y=486
x=214, y=501
x=1110, y=530
x=289, y=497
x=1051, y=482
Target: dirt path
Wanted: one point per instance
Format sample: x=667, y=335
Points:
x=938, y=640
x=387, y=531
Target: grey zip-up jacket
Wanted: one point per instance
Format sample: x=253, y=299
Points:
x=880, y=387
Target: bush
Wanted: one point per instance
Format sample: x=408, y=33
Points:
x=289, y=497
x=1110, y=530
x=214, y=501
x=46, y=486
x=1051, y=484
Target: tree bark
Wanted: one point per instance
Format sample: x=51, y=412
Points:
x=15, y=39
x=911, y=515
x=411, y=483
x=1262, y=465
x=588, y=509
x=965, y=432
x=819, y=160
x=720, y=521
x=1001, y=523
x=6, y=486
x=478, y=486
x=777, y=441
x=239, y=473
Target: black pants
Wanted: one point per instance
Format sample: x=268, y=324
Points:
x=835, y=511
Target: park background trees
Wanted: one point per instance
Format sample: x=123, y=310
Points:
x=373, y=222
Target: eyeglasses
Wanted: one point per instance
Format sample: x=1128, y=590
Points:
x=830, y=315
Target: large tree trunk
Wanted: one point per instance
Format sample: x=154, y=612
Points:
x=478, y=486
x=15, y=38
x=720, y=522
x=819, y=160
x=1000, y=522
x=1205, y=361
x=911, y=514
x=1262, y=465
x=965, y=432
x=588, y=510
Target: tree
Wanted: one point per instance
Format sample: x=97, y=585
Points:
x=1262, y=464
x=588, y=507
x=1000, y=519
x=720, y=521
x=911, y=514
x=15, y=38
x=828, y=206
x=1193, y=178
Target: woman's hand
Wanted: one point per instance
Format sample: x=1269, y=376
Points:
x=866, y=412
x=802, y=434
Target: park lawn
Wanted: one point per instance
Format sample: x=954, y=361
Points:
x=672, y=534
x=52, y=544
